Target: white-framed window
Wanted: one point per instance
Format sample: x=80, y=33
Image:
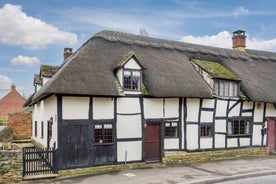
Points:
x=132, y=79
x=226, y=88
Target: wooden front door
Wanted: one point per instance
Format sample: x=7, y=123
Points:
x=271, y=125
x=153, y=143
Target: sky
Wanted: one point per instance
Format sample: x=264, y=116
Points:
x=35, y=32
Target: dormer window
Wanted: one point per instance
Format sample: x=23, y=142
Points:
x=129, y=73
x=132, y=80
x=223, y=82
x=226, y=88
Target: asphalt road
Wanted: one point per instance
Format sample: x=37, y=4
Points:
x=243, y=171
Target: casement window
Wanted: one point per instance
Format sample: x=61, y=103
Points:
x=132, y=80
x=239, y=127
x=42, y=129
x=103, y=133
x=206, y=131
x=35, y=128
x=226, y=88
x=171, y=129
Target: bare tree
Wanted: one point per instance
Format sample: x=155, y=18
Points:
x=143, y=32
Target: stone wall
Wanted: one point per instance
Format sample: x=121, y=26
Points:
x=179, y=157
x=10, y=166
x=21, y=124
x=6, y=134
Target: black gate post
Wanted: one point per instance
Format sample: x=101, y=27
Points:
x=24, y=162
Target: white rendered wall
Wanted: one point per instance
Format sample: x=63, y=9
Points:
x=221, y=108
x=244, y=141
x=206, y=143
x=219, y=141
x=75, y=107
x=234, y=111
x=43, y=112
x=232, y=143
x=208, y=103
x=257, y=135
x=171, y=143
x=128, y=105
x=133, y=149
x=192, y=137
x=270, y=110
x=171, y=107
x=153, y=107
x=129, y=126
x=192, y=110
x=103, y=108
x=206, y=116
x=258, y=112
x=132, y=64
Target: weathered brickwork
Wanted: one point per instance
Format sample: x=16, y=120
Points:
x=21, y=124
x=10, y=166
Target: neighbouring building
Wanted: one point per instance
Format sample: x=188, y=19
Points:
x=123, y=97
x=11, y=102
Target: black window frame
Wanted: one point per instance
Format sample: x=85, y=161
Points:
x=132, y=86
x=239, y=127
x=35, y=128
x=206, y=130
x=103, y=140
x=42, y=129
x=222, y=88
x=172, y=130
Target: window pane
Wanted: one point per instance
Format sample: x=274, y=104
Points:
x=216, y=88
x=236, y=127
x=98, y=135
x=226, y=89
x=248, y=127
x=108, y=136
x=221, y=88
x=242, y=127
x=231, y=89
x=136, y=80
x=230, y=132
x=127, y=79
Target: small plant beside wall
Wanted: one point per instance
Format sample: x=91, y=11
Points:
x=3, y=121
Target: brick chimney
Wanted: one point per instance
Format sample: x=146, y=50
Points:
x=239, y=40
x=67, y=53
x=13, y=87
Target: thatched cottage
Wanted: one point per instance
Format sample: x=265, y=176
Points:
x=123, y=97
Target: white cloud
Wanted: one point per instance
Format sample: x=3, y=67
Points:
x=5, y=82
x=17, y=28
x=224, y=39
x=25, y=60
x=240, y=11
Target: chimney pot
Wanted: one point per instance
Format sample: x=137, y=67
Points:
x=67, y=53
x=13, y=87
x=239, y=40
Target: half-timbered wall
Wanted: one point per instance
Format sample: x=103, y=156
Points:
x=75, y=118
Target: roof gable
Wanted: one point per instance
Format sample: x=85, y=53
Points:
x=126, y=58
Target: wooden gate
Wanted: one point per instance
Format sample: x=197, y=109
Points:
x=39, y=161
x=153, y=143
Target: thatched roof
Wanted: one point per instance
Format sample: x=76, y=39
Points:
x=169, y=71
